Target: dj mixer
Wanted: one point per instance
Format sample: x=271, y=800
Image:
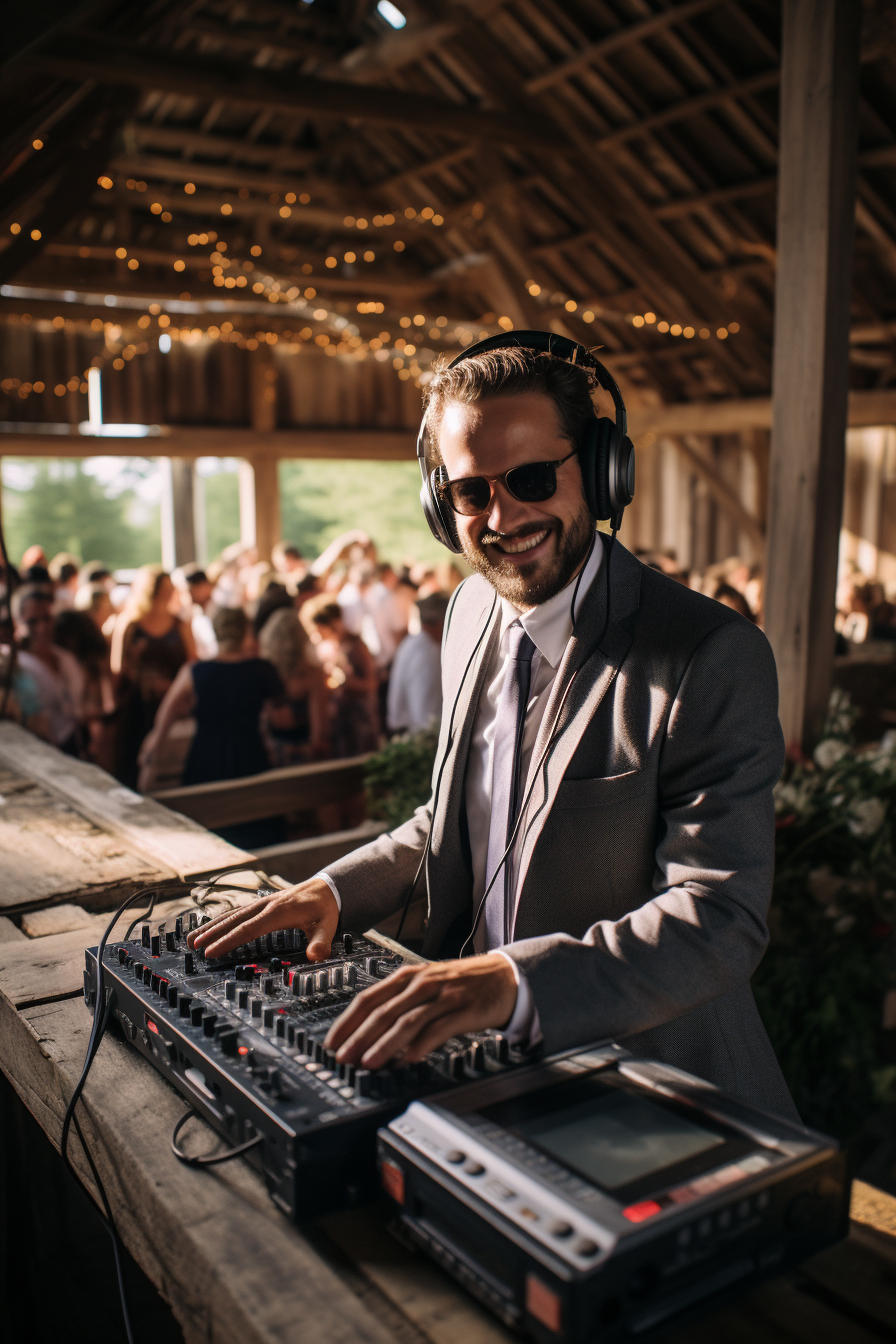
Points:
x=242, y=1038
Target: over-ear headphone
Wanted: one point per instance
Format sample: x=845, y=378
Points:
x=606, y=453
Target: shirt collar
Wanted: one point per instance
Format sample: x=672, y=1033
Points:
x=549, y=625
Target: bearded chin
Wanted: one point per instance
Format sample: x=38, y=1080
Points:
x=539, y=580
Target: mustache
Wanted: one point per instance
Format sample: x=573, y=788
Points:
x=490, y=538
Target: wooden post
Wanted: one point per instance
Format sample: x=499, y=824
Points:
x=258, y=474
x=178, y=511
x=816, y=203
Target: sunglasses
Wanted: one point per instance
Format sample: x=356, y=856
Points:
x=532, y=483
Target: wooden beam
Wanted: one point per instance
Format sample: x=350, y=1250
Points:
x=690, y=107
x=228, y=802
x=720, y=491
x=816, y=209
x=178, y=511
x=113, y=61
x=281, y=158
x=623, y=37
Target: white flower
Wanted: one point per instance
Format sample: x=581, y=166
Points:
x=829, y=752
x=888, y=741
x=867, y=816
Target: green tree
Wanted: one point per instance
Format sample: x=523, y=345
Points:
x=62, y=507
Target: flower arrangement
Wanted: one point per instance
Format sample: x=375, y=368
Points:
x=828, y=981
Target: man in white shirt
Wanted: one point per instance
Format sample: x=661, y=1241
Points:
x=633, y=808
x=415, y=682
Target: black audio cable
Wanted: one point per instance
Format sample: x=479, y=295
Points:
x=214, y=1159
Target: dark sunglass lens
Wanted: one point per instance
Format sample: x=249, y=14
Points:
x=470, y=495
x=534, y=482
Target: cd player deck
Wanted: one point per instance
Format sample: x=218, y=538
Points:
x=242, y=1038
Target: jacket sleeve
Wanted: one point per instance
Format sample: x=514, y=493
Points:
x=702, y=931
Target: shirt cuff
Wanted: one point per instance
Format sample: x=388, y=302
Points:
x=325, y=877
x=524, y=1027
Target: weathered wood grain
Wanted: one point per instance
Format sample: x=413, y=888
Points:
x=55, y=919
x=169, y=841
x=9, y=933
x=291, y=788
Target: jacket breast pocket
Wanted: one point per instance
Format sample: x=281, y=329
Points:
x=605, y=791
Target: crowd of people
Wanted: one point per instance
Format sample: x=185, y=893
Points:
x=270, y=664
x=273, y=664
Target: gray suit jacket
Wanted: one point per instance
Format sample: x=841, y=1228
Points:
x=646, y=867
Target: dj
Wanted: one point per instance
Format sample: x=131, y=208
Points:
x=600, y=833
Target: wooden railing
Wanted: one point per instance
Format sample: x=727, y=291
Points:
x=293, y=788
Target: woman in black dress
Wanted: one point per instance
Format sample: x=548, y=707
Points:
x=226, y=696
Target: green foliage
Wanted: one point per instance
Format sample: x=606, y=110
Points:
x=321, y=499
x=399, y=778
x=222, y=510
x=832, y=955
x=63, y=507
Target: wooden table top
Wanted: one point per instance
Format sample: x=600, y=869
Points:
x=233, y=1268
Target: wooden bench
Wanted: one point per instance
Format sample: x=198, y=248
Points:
x=292, y=788
x=232, y=1268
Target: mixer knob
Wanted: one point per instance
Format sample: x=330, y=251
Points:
x=268, y=1017
x=498, y=1048
x=228, y=1039
x=364, y=1083
x=336, y=977
x=189, y=963
x=183, y=1004
x=179, y=927
x=122, y=955
x=329, y=1059
x=196, y=1013
x=170, y=943
x=306, y=983
x=137, y=968
x=172, y=996
x=280, y=1025
x=145, y=935
x=276, y=964
x=268, y=984
x=192, y=921
x=350, y=975
x=456, y=1065
x=206, y=919
x=208, y=1023
x=230, y=990
x=347, y=944
x=321, y=982
x=476, y=1057
x=147, y=975
x=256, y=1008
x=242, y=998
x=316, y=1050
x=347, y=1073
x=155, y=945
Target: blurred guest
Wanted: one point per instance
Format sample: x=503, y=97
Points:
x=274, y=598
x=287, y=561
x=63, y=570
x=37, y=574
x=149, y=645
x=226, y=696
x=199, y=592
x=95, y=600
x=415, y=684
x=297, y=726
x=78, y=633
x=34, y=555
x=351, y=676
x=96, y=572
x=730, y=597
x=306, y=589
x=56, y=676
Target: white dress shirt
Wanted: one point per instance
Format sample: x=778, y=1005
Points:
x=549, y=626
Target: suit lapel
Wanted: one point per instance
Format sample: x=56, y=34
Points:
x=593, y=656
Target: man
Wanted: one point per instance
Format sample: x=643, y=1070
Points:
x=198, y=590
x=641, y=859
x=415, y=682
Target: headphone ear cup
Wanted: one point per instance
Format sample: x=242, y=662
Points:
x=604, y=432
x=438, y=514
x=622, y=475
x=588, y=464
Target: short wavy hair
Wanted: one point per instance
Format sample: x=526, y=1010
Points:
x=512, y=372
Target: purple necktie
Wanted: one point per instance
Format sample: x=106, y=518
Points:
x=506, y=785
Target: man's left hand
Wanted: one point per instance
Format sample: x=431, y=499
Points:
x=417, y=1008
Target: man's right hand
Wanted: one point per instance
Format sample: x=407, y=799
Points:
x=309, y=906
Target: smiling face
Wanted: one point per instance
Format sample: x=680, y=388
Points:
x=528, y=552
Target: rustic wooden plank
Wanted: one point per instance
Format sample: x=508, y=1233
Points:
x=169, y=841
x=48, y=850
x=857, y=1281
x=9, y=933
x=289, y=789
x=875, y=1209
x=424, y=1292
x=56, y=919
x=296, y=860
x=816, y=201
